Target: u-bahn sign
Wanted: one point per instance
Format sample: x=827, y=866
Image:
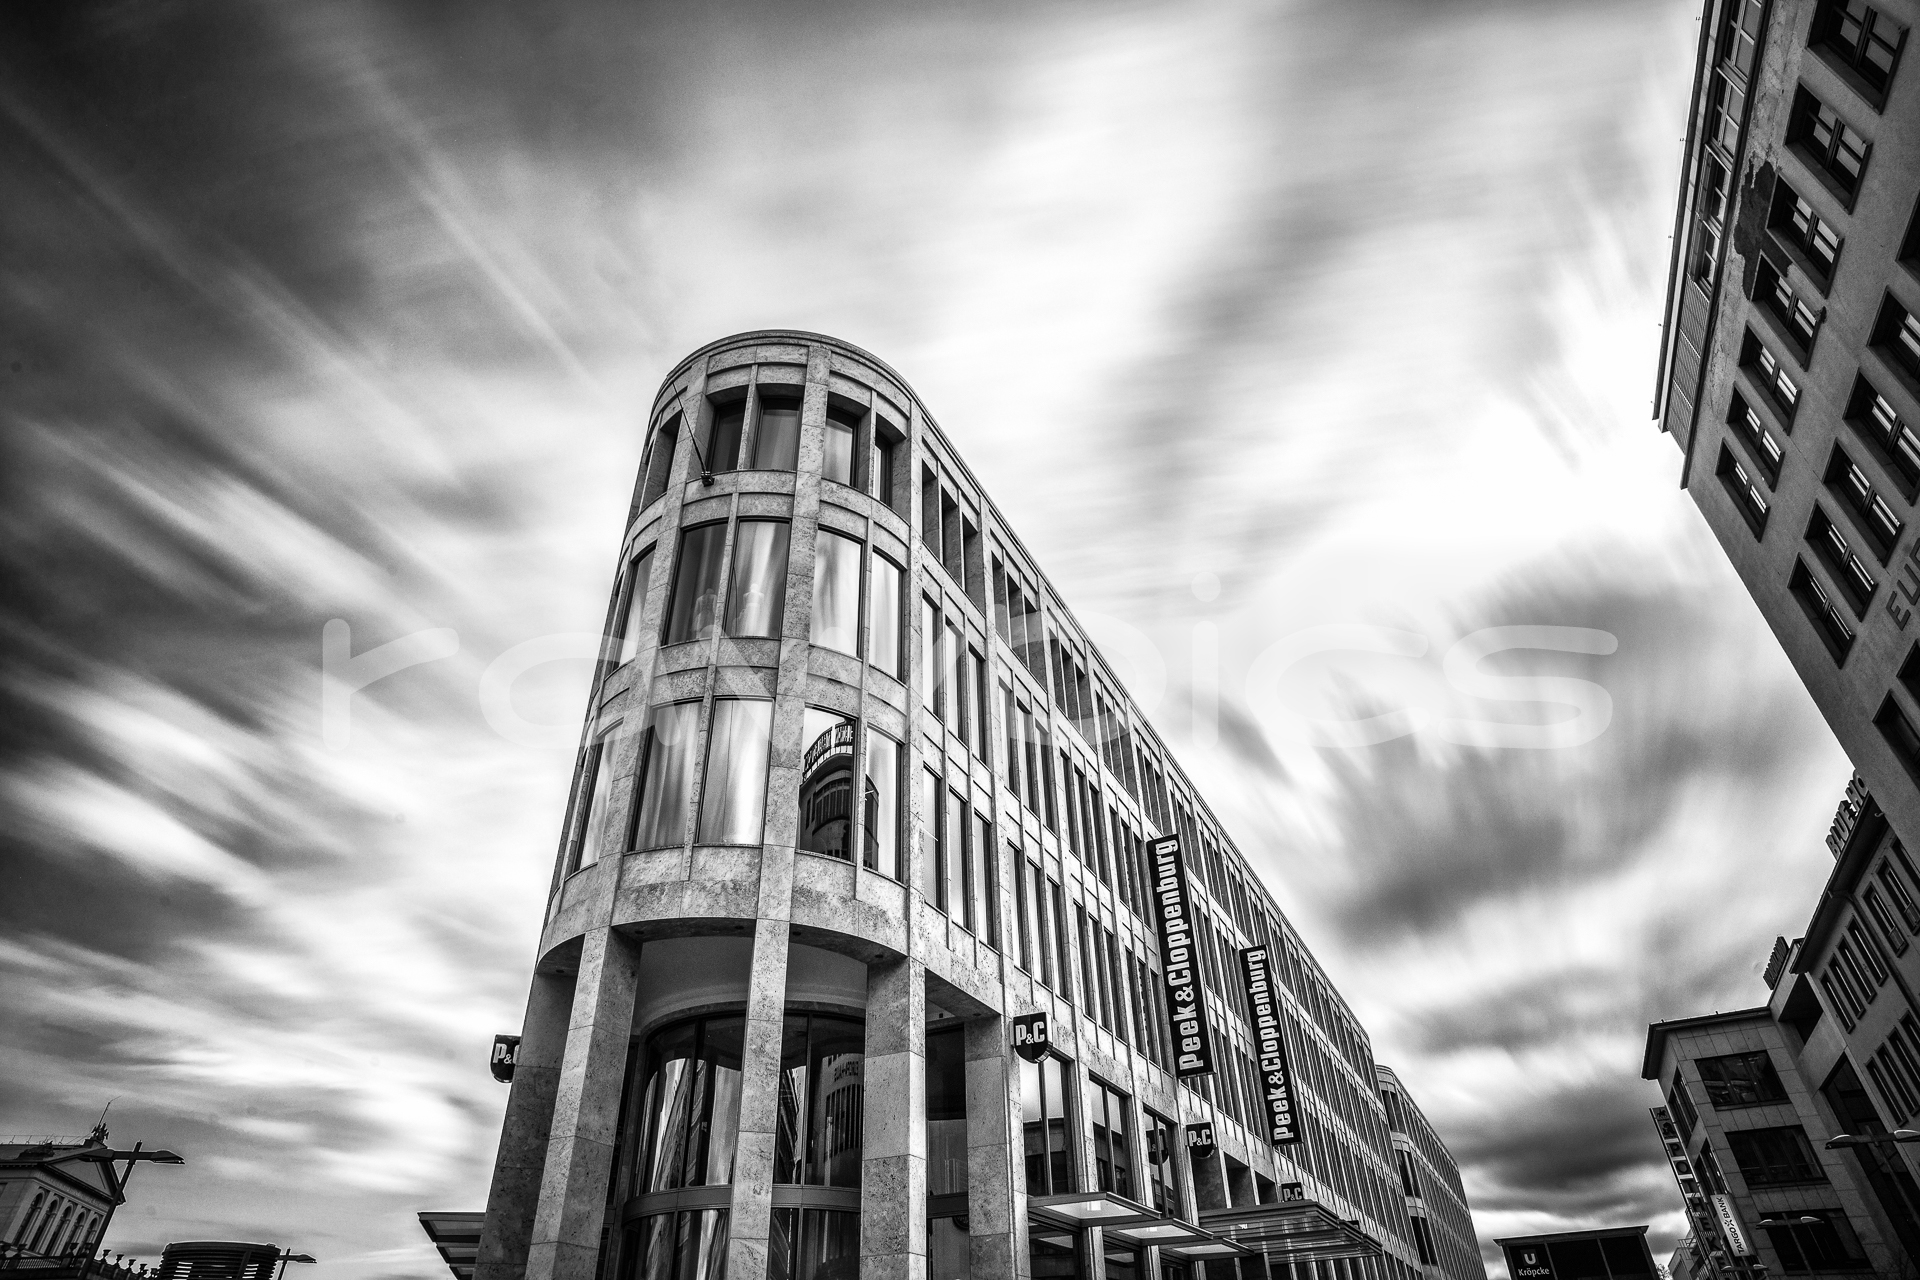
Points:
x=1276, y=1080
x=1186, y=1007
x=1030, y=1036
x=506, y=1054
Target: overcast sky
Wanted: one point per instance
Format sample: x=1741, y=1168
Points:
x=1253, y=319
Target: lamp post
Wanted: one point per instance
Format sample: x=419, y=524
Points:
x=107, y=1155
x=1841, y=1140
x=286, y=1257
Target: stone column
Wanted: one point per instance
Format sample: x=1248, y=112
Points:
x=1209, y=1185
x=508, y=1228
x=751, y=1221
x=573, y=1186
x=995, y=1150
x=893, y=1166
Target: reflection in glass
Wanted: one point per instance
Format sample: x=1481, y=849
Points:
x=757, y=591
x=817, y=1131
x=733, y=803
x=882, y=805
x=826, y=785
x=930, y=830
x=638, y=573
x=776, y=437
x=1112, y=1151
x=842, y=427
x=814, y=1244
x=946, y=1112
x=930, y=687
x=723, y=435
x=599, y=773
x=984, y=870
x=953, y=848
x=660, y=461
x=1043, y=1103
x=886, y=441
x=690, y=1111
x=1163, y=1185
x=694, y=609
x=689, y=1245
x=949, y=1247
x=666, y=778
x=836, y=593
x=883, y=617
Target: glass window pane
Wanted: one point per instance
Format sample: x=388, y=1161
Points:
x=882, y=815
x=883, y=616
x=836, y=1056
x=776, y=437
x=694, y=610
x=826, y=784
x=723, y=435
x=700, y=1252
x=954, y=846
x=757, y=592
x=829, y=1246
x=637, y=575
x=930, y=658
x=668, y=1103
x=930, y=820
x=667, y=780
x=836, y=593
x=660, y=461
x=790, y=1120
x=599, y=773
x=955, y=695
x=656, y=1249
x=734, y=801
x=722, y=1048
x=838, y=462
x=946, y=1063
x=884, y=454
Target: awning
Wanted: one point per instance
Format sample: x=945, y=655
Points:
x=1293, y=1231
x=456, y=1234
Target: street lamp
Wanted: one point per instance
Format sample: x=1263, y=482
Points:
x=107, y=1155
x=286, y=1257
x=1872, y=1139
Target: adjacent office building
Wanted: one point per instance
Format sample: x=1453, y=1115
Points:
x=855, y=960
x=1790, y=366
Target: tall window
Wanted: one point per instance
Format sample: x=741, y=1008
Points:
x=639, y=570
x=1832, y=546
x=734, y=799
x=887, y=453
x=946, y=1112
x=1797, y=222
x=726, y=426
x=1163, y=1179
x=954, y=853
x=843, y=431
x=1900, y=734
x=590, y=817
x=1023, y=911
x=666, y=776
x=1112, y=1139
x=1897, y=334
x=659, y=465
x=952, y=646
x=1814, y=1240
x=688, y=1245
x=1776, y=293
x=757, y=591
x=930, y=690
x=1771, y=374
x=984, y=896
x=983, y=718
x=836, y=593
x=807, y=1243
x=882, y=805
x=776, y=431
x=932, y=824
x=817, y=1132
x=689, y=1112
x=826, y=784
x=1049, y=1147
x=693, y=609
x=883, y=617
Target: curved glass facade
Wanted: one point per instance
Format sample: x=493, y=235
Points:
x=689, y=1111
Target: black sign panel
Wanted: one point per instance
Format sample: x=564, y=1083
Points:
x=506, y=1052
x=1030, y=1036
x=1179, y=959
x=1276, y=1081
x=1200, y=1143
x=1292, y=1191
x=1528, y=1262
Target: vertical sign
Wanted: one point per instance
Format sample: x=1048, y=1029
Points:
x=1276, y=1082
x=1192, y=1045
x=1729, y=1219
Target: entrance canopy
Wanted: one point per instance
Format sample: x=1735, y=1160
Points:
x=1292, y=1231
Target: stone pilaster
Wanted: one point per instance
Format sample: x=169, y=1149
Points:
x=586, y=1106
x=893, y=1166
x=751, y=1220
x=994, y=1153
x=515, y=1192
